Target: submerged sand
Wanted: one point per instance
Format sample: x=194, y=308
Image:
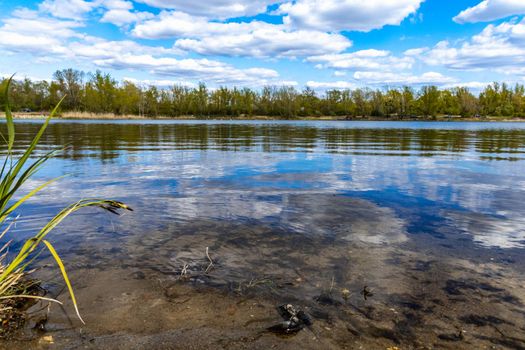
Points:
x=153, y=292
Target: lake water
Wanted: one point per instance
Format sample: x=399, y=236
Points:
x=430, y=217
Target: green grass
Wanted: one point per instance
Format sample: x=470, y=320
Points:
x=15, y=171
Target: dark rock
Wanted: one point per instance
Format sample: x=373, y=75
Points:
x=294, y=320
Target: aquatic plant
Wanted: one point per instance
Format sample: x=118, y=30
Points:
x=15, y=172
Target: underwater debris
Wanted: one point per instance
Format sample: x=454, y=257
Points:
x=209, y=259
x=294, y=320
x=367, y=292
x=345, y=293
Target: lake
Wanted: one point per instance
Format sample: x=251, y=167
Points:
x=426, y=219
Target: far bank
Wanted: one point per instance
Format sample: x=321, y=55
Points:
x=111, y=116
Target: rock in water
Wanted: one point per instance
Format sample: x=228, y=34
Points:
x=294, y=320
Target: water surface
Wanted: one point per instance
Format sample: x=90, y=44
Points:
x=429, y=216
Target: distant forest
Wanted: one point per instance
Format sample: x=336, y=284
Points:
x=100, y=93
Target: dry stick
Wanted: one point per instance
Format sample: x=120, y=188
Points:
x=30, y=297
x=184, y=270
x=211, y=261
x=6, y=230
x=332, y=285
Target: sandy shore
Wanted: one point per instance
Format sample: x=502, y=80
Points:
x=110, y=116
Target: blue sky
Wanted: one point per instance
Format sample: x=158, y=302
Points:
x=317, y=43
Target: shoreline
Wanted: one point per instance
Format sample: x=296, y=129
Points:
x=108, y=116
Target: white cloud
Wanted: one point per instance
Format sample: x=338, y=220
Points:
x=337, y=15
x=28, y=33
x=269, y=41
x=311, y=31
x=490, y=10
x=415, y=52
x=97, y=48
x=71, y=9
x=197, y=69
x=376, y=67
x=161, y=82
x=254, y=39
x=170, y=24
x=386, y=78
x=363, y=60
x=221, y=9
x=54, y=38
x=498, y=48
x=123, y=17
x=474, y=85
x=338, y=85
x=120, y=13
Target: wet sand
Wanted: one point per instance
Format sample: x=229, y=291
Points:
x=139, y=297
x=124, y=309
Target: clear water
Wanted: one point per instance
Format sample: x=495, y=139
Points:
x=430, y=216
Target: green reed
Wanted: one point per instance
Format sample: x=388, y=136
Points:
x=15, y=172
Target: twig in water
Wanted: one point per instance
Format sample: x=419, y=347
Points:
x=331, y=285
x=238, y=290
x=211, y=261
x=184, y=270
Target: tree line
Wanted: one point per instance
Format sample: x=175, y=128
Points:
x=100, y=93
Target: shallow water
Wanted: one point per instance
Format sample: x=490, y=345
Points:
x=429, y=216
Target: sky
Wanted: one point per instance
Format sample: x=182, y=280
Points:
x=321, y=44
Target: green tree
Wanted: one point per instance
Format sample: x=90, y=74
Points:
x=70, y=82
x=429, y=101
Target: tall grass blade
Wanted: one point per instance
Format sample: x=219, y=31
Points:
x=9, y=118
x=13, y=175
x=21, y=201
x=25, y=156
x=66, y=278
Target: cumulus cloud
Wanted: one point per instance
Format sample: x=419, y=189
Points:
x=71, y=9
x=220, y=9
x=97, y=48
x=210, y=71
x=120, y=13
x=387, y=78
x=254, y=39
x=28, y=33
x=160, y=82
x=473, y=85
x=337, y=15
x=311, y=31
x=170, y=24
x=194, y=28
x=338, y=85
x=490, y=10
x=267, y=41
x=199, y=69
x=363, y=60
x=384, y=78
x=32, y=33
x=497, y=47
x=415, y=52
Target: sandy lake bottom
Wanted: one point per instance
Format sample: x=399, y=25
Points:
x=406, y=235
